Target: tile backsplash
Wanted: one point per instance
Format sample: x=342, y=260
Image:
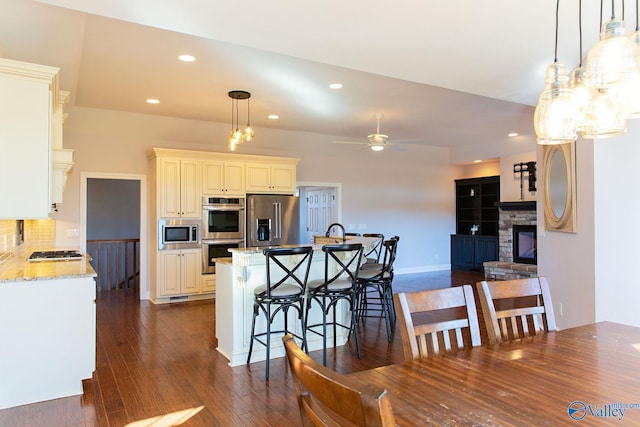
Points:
x=38, y=234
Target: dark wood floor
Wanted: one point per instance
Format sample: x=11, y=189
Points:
x=157, y=365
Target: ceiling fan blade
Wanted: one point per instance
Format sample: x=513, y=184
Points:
x=349, y=142
x=406, y=141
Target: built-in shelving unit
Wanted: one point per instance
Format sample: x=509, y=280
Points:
x=476, y=209
x=476, y=200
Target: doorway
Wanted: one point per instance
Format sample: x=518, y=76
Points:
x=320, y=205
x=113, y=212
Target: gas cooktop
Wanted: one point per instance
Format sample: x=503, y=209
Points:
x=55, y=255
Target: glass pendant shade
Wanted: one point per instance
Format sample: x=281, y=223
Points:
x=581, y=95
x=554, y=119
x=237, y=136
x=614, y=58
x=628, y=93
x=604, y=117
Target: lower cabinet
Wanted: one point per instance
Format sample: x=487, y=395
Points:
x=180, y=272
x=208, y=283
x=470, y=252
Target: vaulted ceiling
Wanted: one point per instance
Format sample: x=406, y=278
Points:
x=449, y=72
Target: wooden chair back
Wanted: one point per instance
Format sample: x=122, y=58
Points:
x=327, y=398
x=428, y=321
x=514, y=309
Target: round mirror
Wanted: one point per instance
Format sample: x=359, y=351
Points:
x=558, y=183
x=559, y=187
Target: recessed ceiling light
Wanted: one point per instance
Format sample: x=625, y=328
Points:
x=187, y=58
x=274, y=116
x=477, y=161
x=335, y=85
x=513, y=134
x=152, y=101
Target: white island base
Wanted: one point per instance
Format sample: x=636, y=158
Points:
x=236, y=279
x=47, y=331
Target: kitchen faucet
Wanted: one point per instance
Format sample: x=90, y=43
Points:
x=337, y=224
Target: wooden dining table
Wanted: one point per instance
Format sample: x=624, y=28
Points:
x=588, y=375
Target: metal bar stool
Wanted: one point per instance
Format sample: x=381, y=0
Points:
x=287, y=273
x=377, y=278
x=341, y=266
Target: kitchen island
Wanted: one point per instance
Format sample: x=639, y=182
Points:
x=237, y=277
x=48, y=329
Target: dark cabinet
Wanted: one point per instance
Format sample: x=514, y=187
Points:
x=476, y=208
x=470, y=252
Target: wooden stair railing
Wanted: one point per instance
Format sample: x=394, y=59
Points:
x=117, y=263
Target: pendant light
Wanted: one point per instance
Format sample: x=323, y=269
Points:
x=607, y=71
x=604, y=117
x=554, y=119
x=578, y=82
x=615, y=57
x=628, y=92
x=237, y=136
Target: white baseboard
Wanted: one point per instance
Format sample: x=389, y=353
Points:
x=422, y=269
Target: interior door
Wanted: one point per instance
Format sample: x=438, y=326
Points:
x=321, y=211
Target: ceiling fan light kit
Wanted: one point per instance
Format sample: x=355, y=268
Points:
x=599, y=97
x=378, y=141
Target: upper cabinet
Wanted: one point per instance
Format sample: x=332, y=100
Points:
x=28, y=103
x=274, y=178
x=179, y=195
x=222, y=178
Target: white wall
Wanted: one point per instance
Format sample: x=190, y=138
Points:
x=406, y=193
x=617, y=230
x=476, y=170
x=567, y=259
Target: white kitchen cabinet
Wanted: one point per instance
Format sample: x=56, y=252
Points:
x=208, y=283
x=222, y=178
x=48, y=338
x=179, y=188
x=180, y=272
x=27, y=103
x=271, y=178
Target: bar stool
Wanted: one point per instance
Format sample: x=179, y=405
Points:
x=341, y=266
x=373, y=256
x=377, y=278
x=287, y=273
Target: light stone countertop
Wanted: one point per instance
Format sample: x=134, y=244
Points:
x=367, y=242
x=19, y=270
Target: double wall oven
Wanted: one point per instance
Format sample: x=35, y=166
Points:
x=223, y=227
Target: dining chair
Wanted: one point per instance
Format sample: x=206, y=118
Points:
x=514, y=309
x=287, y=273
x=341, y=265
x=375, y=287
x=428, y=320
x=327, y=398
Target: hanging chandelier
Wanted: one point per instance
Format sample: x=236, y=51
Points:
x=238, y=136
x=595, y=100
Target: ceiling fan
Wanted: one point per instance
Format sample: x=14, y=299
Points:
x=378, y=141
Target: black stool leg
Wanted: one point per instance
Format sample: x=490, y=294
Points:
x=268, y=342
x=253, y=330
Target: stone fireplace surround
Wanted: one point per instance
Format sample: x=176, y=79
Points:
x=511, y=213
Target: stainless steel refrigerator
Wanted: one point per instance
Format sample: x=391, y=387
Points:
x=272, y=220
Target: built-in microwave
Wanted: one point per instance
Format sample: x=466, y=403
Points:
x=178, y=234
x=223, y=218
